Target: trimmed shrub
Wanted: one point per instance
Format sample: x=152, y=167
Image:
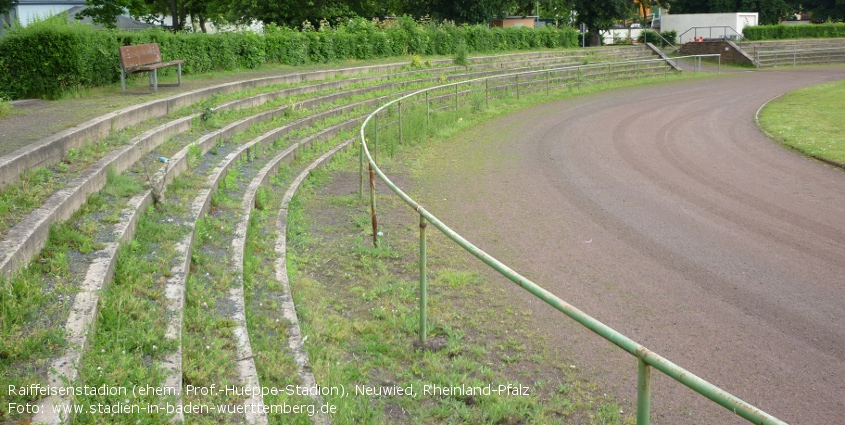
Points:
x=50, y=57
x=781, y=32
x=54, y=56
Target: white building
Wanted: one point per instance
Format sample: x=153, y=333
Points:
x=707, y=25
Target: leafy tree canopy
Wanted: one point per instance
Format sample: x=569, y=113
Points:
x=6, y=5
x=600, y=15
x=771, y=11
x=825, y=10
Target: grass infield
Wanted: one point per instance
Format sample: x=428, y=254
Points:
x=809, y=120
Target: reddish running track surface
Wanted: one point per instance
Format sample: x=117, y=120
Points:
x=663, y=211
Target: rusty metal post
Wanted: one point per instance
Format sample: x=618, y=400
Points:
x=643, y=392
x=373, y=205
x=423, y=281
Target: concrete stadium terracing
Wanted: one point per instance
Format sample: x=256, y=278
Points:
x=26, y=238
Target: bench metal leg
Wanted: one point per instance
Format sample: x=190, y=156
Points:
x=122, y=80
x=179, y=74
x=155, y=81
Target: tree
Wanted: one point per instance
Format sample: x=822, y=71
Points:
x=6, y=6
x=460, y=11
x=645, y=5
x=600, y=15
x=771, y=11
x=825, y=10
x=105, y=12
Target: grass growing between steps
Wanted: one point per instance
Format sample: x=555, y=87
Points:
x=268, y=329
x=35, y=303
x=809, y=120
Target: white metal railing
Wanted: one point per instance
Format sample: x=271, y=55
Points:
x=800, y=56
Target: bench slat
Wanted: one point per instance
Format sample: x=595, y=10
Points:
x=157, y=66
x=139, y=55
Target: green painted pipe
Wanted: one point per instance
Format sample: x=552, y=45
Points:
x=643, y=392
x=646, y=358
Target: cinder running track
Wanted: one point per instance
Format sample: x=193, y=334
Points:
x=664, y=212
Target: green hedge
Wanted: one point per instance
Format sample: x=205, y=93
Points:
x=780, y=32
x=51, y=57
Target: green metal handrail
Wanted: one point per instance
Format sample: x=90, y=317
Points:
x=646, y=359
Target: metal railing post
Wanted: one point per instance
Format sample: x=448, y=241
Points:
x=643, y=392
x=517, y=86
x=719, y=67
x=423, y=281
x=456, y=97
x=373, y=205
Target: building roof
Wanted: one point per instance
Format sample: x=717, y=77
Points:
x=123, y=21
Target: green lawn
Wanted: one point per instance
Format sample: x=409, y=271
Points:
x=810, y=120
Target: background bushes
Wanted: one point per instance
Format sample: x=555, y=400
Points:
x=778, y=32
x=51, y=57
x=657, y=39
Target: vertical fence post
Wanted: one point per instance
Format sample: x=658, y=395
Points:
x=401, y=140
x=643, y=392
x=423, y=281
x=517, y=86
x=373, y=205
x=548, y=81
x=719, y=69
x=456, y=97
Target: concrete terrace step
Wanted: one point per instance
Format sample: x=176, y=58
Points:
x=807, y=43
x=218, y=167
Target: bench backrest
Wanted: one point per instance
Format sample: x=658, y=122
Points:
x=139, y=55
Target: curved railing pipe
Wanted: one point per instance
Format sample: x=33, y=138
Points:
x=646, y=359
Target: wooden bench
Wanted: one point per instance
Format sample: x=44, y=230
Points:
x=145, y=58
